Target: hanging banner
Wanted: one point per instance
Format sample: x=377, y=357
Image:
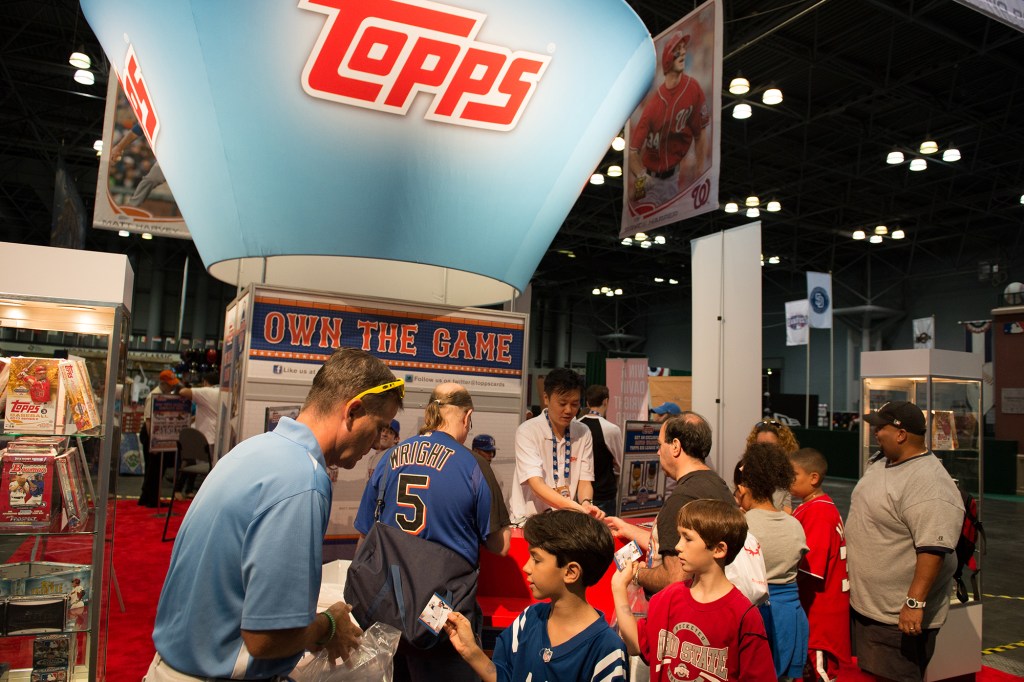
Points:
x=131, y=191
x=1010, y=12
x=672, y=156
x=627, y=389
x=819, y=295
x=796, y=322
x=924, y=332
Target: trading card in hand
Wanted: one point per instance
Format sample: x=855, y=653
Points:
x=435, y=614
x=627, y=555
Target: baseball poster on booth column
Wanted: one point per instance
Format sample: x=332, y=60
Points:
x=672, y=139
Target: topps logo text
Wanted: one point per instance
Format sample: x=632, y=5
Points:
x=378, y=54
x=25, y=408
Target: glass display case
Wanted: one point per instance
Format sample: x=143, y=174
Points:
x=56, y=573
x=947, y=386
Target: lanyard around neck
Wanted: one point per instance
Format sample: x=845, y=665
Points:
x=554, y=451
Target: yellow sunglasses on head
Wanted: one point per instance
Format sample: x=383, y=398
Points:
x=383, y=388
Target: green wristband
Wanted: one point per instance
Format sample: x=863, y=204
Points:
x=334, y=628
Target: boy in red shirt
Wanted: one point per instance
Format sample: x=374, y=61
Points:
x=822, y=580
x=702, y=627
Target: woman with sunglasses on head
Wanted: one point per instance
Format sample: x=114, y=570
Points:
x=763, y=469
x=775, y=432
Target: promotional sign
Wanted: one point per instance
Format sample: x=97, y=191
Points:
x=171, y=414
x=454, y=134
x=642, y=483
x=924, y=332
x=672, y=158
x=819, y=297
x=291, y=339
x=797, y=331
x=131, y=191
x=627, y=389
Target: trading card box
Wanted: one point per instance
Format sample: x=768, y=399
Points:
x=53, y=651
x=35, y=396
x=27, y=496
x=81, y=401
x=71, y=580
x=71, y=496
x=49, y=675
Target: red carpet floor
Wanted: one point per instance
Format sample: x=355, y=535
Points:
x=140, y=562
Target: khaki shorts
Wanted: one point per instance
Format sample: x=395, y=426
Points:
x=159, y=671
x=883, y=650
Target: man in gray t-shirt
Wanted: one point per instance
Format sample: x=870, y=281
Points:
x=905, y=519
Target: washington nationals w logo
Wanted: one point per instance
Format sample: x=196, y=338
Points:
x=378, y=54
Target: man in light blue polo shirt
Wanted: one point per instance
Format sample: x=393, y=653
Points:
x=239, y=601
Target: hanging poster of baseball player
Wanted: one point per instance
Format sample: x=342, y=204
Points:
x=672, y=155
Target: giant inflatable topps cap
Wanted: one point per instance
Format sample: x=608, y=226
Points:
x=306, y=141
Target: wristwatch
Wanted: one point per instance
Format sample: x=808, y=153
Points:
x=914, y=604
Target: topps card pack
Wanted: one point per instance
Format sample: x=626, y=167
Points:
x=627, y=555
x=26, y=490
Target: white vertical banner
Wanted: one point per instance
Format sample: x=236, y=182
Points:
x=796, y=322
x=726, y=296
x=924, y=332
x=819, y=295
x=672, y=154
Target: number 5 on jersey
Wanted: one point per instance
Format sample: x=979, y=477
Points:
x=415, y=520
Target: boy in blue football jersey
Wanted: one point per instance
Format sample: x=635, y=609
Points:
x=562, y=639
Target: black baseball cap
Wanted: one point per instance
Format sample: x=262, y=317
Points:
x=901, y=414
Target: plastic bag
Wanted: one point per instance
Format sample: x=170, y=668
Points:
x=373, y=661
x=637, y=603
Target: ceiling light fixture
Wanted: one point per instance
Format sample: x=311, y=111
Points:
x=618, y=292
x=859, y=234
x=774, y=260
x=753, y=212
x=928, y=147
x=918, y=164
x=123, y=233
x=640, y=236
x=732, y=207
x=673, y=281
x=147, y=235
x=894, y=157
x=752, y=201
x=875, y=239
x=739, y=86
x=645, y=245
x=614, y=171
x=772, y=96
x=660, y=239
x=881, y=229
x=628, y=241
x=84, y=77
x=659, y=280
x=80, y=60
x=596, y=292
x=950, y=155
x=773, y=206
x=742, y=111
x=596, y=179
x=897, y=234
x=619, y=143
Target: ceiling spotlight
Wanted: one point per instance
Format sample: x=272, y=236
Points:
x=618, y=292
x=596, y=292
x=918, y=164
x=609, y=293
x=875, y=239
x=739, y=86
x=673, y=281
x=147, y=235
x=928, y=147
x=659, y=279
x=950, y=155
x=645, y=245
x=881, y=229
x=123, y=233
x=732, y=207
x=772, y=96
x=752, y=201
x=98, y=145
x=614, y=171
x=774, y=260
x=859, y=234
x=640, y=236
x=1022, y=198
x=80, y=60
x=897, y=234
x=753, y=212
x=628, y=241
x=605, y=290
x=894, y=157
x=84, y=77
x=660, y=239
x=742, y=110
x=773, y=206
x=596, y=179
x=619, y=143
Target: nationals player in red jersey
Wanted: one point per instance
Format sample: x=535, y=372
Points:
x=674, y=117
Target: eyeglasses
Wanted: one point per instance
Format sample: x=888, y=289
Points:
x=384, y=388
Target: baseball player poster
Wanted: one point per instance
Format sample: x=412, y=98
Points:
x=672, y=155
